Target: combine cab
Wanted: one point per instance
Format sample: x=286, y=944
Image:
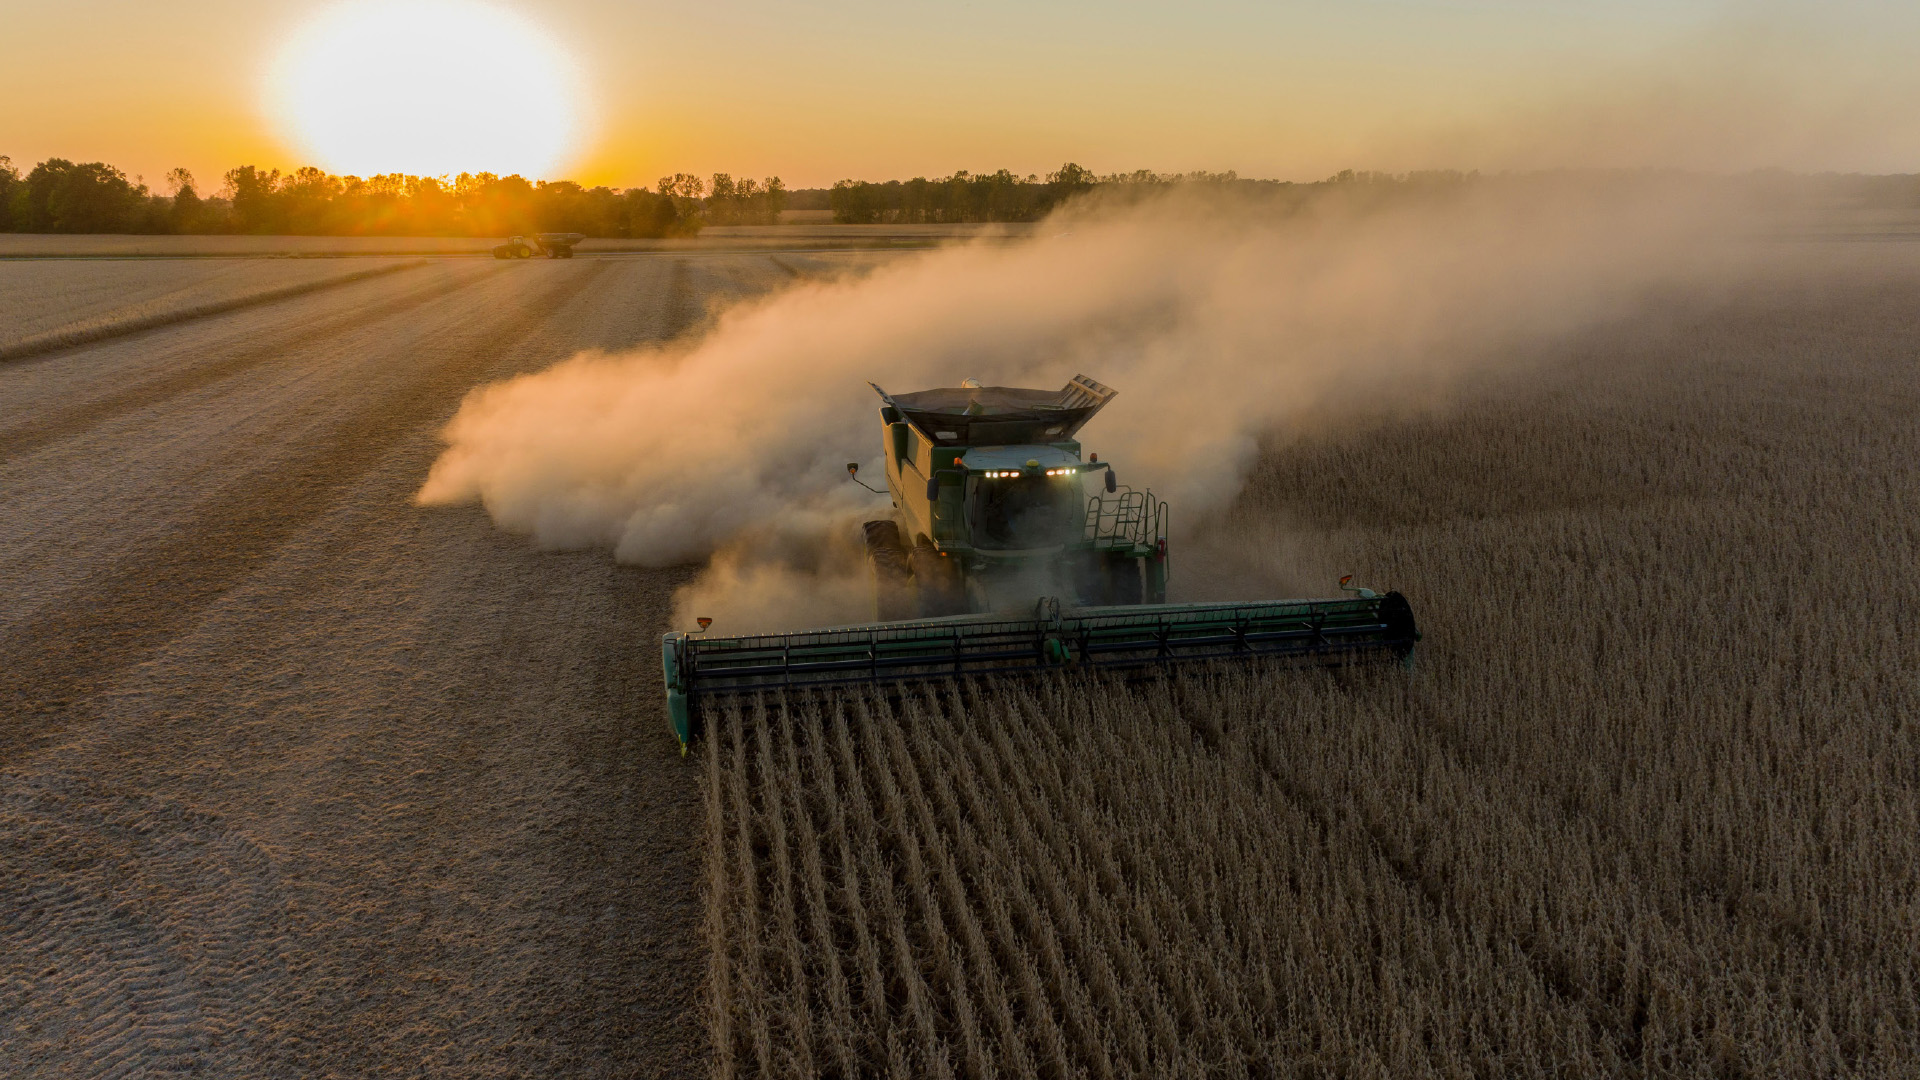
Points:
x=1010, y=551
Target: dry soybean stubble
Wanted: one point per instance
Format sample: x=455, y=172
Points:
x=1648, y=805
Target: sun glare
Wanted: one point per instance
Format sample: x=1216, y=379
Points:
x=427, y=87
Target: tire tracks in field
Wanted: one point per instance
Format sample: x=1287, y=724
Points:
x=25, y=439
x=60, y=340
x=134, y=934
x=158, y=588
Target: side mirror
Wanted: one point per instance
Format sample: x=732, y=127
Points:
x=1112, y=484
x=933, y=489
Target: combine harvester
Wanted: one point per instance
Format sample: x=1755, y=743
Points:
x=992, y=512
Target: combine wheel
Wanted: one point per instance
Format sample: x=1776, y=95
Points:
x=893, y=597
x=1123, y=579
x=940, y=588
x=1089, y=572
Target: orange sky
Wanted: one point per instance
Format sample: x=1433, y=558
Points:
x=817, y=91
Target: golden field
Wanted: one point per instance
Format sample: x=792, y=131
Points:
x=1646, y=806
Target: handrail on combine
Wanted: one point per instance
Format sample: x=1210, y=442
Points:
x=1128, y=519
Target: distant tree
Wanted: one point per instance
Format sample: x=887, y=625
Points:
x=60, y=196
x=856, y=202
x=652, y=215
x=564, y=206
x=681, y=186
x=689, y=208
x=422, y=205
x=255, y=199
x=745, y=201
x=9, y=183
x=1139, y=178
x=184, y=214
x=1072, y=178
x=492, y=205
x=304, y=200
x=722, y=205
x=776, y=200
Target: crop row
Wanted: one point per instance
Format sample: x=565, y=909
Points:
x=1648, y=805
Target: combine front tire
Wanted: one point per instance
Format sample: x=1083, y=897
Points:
x=1088, y=573
x=892, y=574
x=1123, y=579
x=938, y=582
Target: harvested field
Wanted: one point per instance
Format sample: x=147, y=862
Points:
x=297, y=779
x=107, y=245
x=53, y=304
x=716, y=239
x=1648, y=805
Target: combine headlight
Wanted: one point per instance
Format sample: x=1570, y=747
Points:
x=1061, y=472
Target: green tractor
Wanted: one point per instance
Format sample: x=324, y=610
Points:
x=552, y=245
x=999, y=559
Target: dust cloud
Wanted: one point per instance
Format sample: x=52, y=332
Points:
x=1218, y=319
x=1831, y=88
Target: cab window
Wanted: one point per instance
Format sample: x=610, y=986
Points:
x=1022, y=512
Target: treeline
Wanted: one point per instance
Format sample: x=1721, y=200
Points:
x=997, y=196
x=59, y=196
x=964, y=196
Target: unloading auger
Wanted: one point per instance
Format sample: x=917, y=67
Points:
x=997, y=560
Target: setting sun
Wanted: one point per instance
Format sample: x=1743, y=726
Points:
x=427, y=87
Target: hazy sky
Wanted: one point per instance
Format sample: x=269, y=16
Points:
x=816, y=90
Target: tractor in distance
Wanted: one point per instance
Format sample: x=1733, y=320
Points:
x=551, y=244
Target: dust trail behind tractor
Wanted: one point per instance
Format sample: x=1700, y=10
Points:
x=996, y=559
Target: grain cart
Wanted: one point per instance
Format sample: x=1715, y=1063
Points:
x=552, y=245
x=998, y=558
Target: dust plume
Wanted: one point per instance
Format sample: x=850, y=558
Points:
x=1749, y=89
x=1218, y=319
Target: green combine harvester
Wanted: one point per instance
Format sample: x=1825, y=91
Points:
x=998, y=560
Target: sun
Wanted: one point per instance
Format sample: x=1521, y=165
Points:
x=428, y=88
